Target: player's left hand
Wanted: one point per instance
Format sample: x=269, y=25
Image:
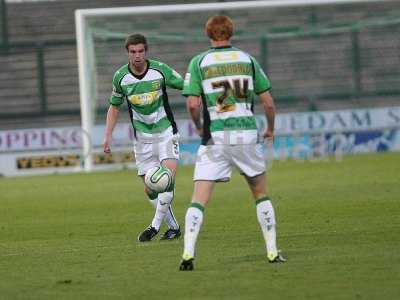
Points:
x=200, y=132
x=269, y=135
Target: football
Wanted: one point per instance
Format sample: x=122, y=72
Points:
x=158, y=179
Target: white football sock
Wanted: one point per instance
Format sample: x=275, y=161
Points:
x=266, y=219
x=170, y=219
x=193, y=221
x=163, y=203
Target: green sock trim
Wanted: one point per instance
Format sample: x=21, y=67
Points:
x=262, y=199
x=198, y=206
x=152, y=195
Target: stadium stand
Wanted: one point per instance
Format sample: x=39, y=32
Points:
x=39, y=74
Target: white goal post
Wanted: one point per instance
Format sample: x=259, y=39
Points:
x=85, y=45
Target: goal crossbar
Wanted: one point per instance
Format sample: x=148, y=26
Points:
x=178, y=8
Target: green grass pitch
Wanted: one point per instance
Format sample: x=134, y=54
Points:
x=74, y=236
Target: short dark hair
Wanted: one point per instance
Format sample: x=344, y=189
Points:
x=135, y=39
x=219, y=28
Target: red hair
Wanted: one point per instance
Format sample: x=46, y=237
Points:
x=219, y=28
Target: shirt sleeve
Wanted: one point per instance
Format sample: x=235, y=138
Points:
x=192, y=84
x=261, y=81
x=117, y=96
x=172, y=78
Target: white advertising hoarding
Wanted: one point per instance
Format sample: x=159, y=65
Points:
x=286, y=124
x=48, y=150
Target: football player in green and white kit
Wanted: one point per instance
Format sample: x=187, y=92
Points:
x=142, y=84
x=223, y=82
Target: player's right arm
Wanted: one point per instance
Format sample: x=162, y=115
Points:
x=193, y=105
x=192, y=89
x=112, y=117
x=116, y=99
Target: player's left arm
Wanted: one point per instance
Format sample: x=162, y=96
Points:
x=262, y=87
x=172, y=78
x=269, y=109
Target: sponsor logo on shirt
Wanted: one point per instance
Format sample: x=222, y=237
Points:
x=145, y=98
x=155, y=85
x=223, y=56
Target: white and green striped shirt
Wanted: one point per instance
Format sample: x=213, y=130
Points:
x=147, y=99
x=228, y=80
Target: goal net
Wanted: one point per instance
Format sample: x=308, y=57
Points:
x=309, y=48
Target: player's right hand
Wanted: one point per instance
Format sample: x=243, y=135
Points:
x=106, y=146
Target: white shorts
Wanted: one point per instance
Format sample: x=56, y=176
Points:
x=150, y=155
x=214, y=162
